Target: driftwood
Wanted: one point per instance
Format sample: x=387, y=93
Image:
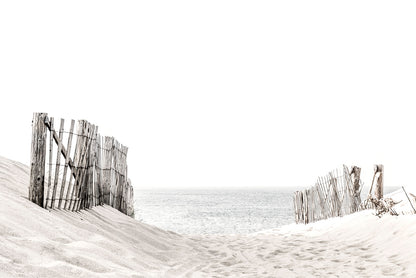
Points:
x=383, y=205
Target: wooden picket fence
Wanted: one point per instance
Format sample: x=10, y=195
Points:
x=86, y=169
x=335, y=194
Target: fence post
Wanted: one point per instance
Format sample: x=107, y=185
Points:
x=355, y=173
x=380, y=181
x=37, y=159
x=355, y=180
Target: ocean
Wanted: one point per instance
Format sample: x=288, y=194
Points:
x=218, y=211
x=215, y=211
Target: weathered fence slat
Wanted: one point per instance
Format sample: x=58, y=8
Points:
x=107, y=162
x=379, y=186
x=97, y=170
x=69, y=144
x=82, y=190
x=72, y=185
x=58, y=162
x=37, y=159
x=82, y=165
x=50, y=163
x=335, y=194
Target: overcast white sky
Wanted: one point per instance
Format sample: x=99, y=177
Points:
x=219, y=93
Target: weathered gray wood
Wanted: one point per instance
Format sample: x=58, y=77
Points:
x=63, y=150
x=355, y=173
x=58, y=163
x=83, y=199
x=48, y=194
x=100, y=178
x=98, y=173
x=90, y=172
x=117, y=164
x=113, y=174
x=69, y=202
x=37, y=159
x=82, y=180
x=94, y=173
x=106, y=162
x=120, y=172
x=380, y=182
x=81, y=166
x=355, y=185
x=128, y=208
x=332, y=195
x=83, y=135
x=123, y=177
x=63, y=185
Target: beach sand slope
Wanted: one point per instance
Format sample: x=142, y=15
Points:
x=103, y=242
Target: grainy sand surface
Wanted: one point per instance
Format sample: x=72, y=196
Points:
x=102, y=242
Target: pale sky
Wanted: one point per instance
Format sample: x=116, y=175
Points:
x=219, y=94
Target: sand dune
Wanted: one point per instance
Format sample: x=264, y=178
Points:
x=103, y=242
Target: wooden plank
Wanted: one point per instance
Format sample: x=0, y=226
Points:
x=58, y=162
x=63, y=185
x=82, y=201
x=90, y=171
x=90, y=179
x=50, y=163
x=80, y=166
x=79, y=197
x=130, y=199
x=123, y=204
x=331, y=206
x=99, y=171
x=131, y=211
x=77, y=154
x=107, y=162
x=37, y=159
x=380, y=182
x=113, y=174
x=328, y=210
x=94, y=172
x=357, y=186
x=295, y=206
x=117, y=167
x=63, y=150
x=116, y=173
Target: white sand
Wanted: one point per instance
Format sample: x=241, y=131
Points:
x=103, y=242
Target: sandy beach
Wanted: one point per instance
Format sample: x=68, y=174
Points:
x=102, y=242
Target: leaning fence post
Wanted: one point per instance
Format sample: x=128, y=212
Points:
x=380, y=181
x=37, y=159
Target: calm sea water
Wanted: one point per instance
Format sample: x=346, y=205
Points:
x=218, y=211
x=215, y=211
